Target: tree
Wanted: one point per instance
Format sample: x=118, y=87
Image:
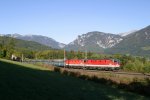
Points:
x=10, y=47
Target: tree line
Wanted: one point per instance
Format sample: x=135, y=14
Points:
x=128, y=62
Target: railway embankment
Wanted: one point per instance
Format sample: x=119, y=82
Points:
x=134, y=82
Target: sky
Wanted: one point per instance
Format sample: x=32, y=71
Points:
x=64, y=20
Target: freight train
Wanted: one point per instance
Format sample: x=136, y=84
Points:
x=101, y=64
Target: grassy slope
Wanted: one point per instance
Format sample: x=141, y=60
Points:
x=30, y=82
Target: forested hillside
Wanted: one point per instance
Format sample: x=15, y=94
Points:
x=9, y=45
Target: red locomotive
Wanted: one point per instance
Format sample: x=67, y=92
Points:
x=105, y=64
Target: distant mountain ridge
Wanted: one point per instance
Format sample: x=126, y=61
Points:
x=39, y=39
x=94, y=41
x=137, y=43
x=127, y=33
x=22, y=44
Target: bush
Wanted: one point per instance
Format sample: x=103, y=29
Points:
x=147, y=68
x=65, y=72
x=57, y=69
x=94, y=78
x=129, y=67
x=75, y=74
x=84, y=77
x=136, y=66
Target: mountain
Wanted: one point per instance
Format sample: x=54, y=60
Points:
x=137, y=43
x=22, y=44
x=94, y=41
x=39, y=39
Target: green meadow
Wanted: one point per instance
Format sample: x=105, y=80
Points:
x=20, y=81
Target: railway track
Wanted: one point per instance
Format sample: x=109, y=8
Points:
x=122, y=73
x=133, y=74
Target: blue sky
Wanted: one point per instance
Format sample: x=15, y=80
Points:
x=64, y=20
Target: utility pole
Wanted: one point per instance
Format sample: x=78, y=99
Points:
x=85, y=54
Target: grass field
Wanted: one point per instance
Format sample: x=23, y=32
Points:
x=20, y=81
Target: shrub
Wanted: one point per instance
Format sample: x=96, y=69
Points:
x=65, y=72
x=57, y=69
x=94, y=78
x=129, y=67
x=136, y=66
x=84, y=77
x=75, y=74
x=147, y=67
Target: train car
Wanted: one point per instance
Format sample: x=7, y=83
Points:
x=103, y=64
x=74, y=63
